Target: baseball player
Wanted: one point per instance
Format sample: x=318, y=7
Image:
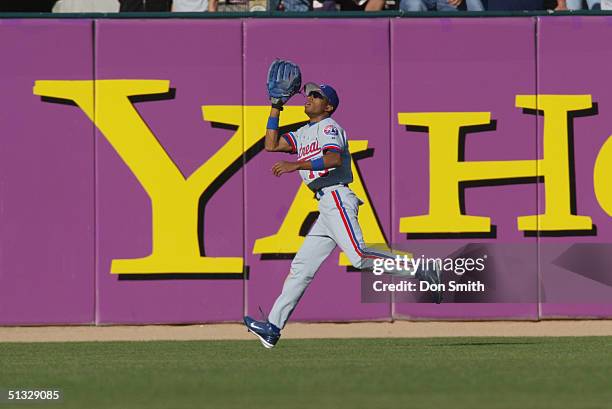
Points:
x=324, y=164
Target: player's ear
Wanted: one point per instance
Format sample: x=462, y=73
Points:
x=329, y=108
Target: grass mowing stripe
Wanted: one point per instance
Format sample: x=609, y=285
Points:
x=466, y=373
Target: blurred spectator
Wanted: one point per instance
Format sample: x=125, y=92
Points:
x=334, y=5
x=579, y=4
x=86, y=6
x=350, y=5
x=26, y=6
x=606, y=4
x=514, y=5
x=440, y=5
x=366, y=5
x=374, y=5
x=474, y=5
x=144, y=5
x=194, y=5
x=294, y=5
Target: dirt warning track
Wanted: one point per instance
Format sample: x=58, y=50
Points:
x=233, y=331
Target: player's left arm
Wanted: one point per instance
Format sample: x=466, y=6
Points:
x=331, y=159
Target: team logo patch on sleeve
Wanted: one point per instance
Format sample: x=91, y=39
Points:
x=330, y=130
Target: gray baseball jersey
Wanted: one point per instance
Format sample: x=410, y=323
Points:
x=312, y=141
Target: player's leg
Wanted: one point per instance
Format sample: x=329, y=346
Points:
x=413, y=5
x=594, y=4
x=316, y=248
x=574, y=4
x=474, y=5
x=339, y=212
x=444, y=5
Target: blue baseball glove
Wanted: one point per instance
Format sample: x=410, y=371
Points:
x=284, y=81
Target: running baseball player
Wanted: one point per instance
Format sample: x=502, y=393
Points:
x=324, y=164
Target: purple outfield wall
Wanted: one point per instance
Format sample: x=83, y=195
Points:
x=173, y=50
x=165, y=210
x=47, y=178
x=578, y=280
x=464, y=69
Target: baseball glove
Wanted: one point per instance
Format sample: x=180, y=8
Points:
x=284, y=81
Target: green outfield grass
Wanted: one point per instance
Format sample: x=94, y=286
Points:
x=513, y=373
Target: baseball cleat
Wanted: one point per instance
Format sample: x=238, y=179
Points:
x=267, y=333
x=432, y=276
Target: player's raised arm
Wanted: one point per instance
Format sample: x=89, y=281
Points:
x=284, y=81
x=273, y=141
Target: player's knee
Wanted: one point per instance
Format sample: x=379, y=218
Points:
x=298, y=264
x=299, y=275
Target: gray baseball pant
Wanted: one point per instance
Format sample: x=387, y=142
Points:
x=336, y=225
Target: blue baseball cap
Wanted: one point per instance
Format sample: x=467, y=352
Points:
x=327, y=90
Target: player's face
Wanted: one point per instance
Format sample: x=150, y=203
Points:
x=316, y=104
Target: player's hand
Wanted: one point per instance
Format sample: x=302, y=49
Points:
x=284, y=81
x=284, y=167
x=455, y=3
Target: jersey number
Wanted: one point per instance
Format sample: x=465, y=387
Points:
x=319, y=174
